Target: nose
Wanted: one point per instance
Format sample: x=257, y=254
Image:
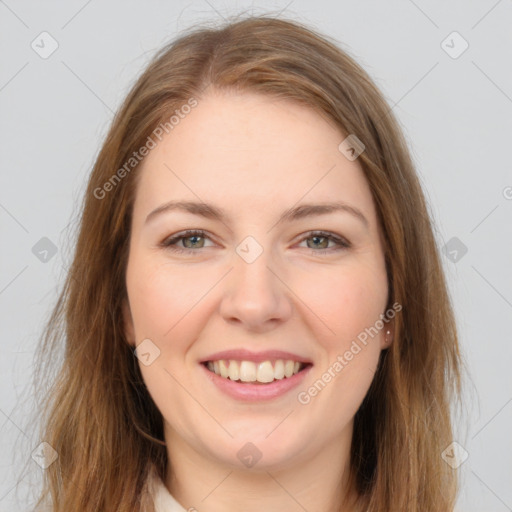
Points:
x=255, y=295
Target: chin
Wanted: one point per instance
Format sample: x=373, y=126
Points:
x=261, y=452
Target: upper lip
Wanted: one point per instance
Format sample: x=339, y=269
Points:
x=257, y=357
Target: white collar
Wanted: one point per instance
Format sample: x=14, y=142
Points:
x=164, y=501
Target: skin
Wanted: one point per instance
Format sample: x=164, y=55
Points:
x=255, y=156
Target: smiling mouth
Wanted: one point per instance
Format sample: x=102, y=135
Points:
x=249, y=372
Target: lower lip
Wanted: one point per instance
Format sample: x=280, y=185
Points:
x=255, y=392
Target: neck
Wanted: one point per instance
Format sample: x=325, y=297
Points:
x=314, y=482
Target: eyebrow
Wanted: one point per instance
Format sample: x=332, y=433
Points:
x=302, y=211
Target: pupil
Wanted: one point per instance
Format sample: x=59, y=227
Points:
x=316, y=238
x=193, y=236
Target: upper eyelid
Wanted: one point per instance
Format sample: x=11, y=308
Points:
x=188, y=233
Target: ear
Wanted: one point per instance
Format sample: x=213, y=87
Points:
x=129, y=330
x=388, y=334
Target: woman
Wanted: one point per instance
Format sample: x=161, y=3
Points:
x=256, y=315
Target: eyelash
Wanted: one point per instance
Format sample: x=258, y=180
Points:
x=171, y=242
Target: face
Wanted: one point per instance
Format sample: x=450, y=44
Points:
x=253, y=286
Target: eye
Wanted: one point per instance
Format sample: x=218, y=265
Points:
x=322, y=238
x=194, y=237
x=172, y=242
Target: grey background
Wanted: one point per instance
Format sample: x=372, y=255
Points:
x=456, y=114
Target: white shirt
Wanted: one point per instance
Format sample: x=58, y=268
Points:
x=164, y=501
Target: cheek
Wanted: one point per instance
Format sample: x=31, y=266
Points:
x=162, y=298
x=162, y=302
x=348, y=301
x=350, y=304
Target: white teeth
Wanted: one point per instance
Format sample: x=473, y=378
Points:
x=265, y=372
x=248, y=371
x=279, y=369
x=234, y=370
x=223, y=368
x=288, y=368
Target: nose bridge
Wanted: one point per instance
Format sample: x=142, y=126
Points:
x=254, y=294
x=252, y=266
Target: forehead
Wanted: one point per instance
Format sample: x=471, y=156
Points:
x=251, y=153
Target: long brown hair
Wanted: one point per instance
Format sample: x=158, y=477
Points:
x=98, y=414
